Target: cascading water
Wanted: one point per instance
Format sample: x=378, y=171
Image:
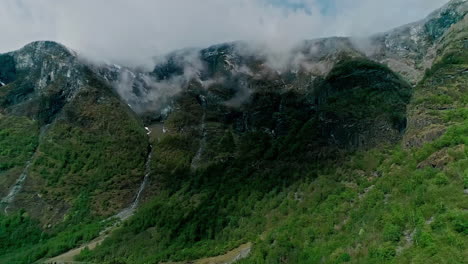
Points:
x=197, y=158
x=127, y=212
x=16, y=188
x=145, y=179
x=5, y=202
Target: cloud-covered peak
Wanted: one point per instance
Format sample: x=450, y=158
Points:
x=132, y=32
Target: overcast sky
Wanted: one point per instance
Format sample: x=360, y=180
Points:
x=132, y=31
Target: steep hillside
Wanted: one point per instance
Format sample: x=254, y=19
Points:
x=229, y=72
x=309, y=170
x=71, y=150
x=342, y=150
x=243, y=88
x=411, y=49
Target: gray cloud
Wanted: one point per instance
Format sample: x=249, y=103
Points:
x=131, y=32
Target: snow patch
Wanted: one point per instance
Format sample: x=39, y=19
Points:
x=415, y=35
x=229, y=64
x=148, y=131
x=24, y=60
x=166, y=111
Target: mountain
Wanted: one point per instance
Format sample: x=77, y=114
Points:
x=339, y=150
x=76, y=135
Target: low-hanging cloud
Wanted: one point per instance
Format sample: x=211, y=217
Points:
x=132, y=32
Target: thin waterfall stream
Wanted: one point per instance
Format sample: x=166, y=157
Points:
x=198, y=156
x=127, y=212
x=121, y=216
x=16, y=188
x=6, y=201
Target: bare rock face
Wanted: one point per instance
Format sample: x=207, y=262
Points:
x=444, y=85
x=46, y=76
x=231, y=68
x=429, y=134
x=71, y=110
x=341, y=93
x=440, y=158
x=411, y=49
x=244, y=90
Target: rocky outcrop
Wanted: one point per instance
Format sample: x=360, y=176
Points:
x=443, y=87
x=441, y=158
x=76, y=112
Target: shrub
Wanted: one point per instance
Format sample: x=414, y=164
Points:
x=391, y=232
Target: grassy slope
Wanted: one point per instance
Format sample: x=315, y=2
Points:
x=361, y=211
x=391, y=205
x=88, y=165
x=384, y=205
x=98, y=147
x=18, y=141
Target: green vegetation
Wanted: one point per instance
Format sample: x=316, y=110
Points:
x=382, y=205
x=317, y=176
x=18, y=140
x=361, y=89
x=361, y=211
x=24, y=241
x=15, y=229
x=96, y=146
x=93, y=146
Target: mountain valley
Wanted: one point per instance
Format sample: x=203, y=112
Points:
x=343, y=150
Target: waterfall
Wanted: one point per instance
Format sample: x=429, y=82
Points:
x=16, y=188
x=127, y=212
x=197, y=158
x=145, y=179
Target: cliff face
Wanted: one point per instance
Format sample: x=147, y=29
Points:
x=243, y=88
x=408, y=50
x=74, y=124
x=336, y=85
x=225, y=122
x=442, y=90
x=411, y=49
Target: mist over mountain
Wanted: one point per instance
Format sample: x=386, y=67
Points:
x=263, y=131
x=132, y=32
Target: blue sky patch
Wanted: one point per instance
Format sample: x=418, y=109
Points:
x=327, y=7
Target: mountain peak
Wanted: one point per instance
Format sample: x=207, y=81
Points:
x=47, y=46
x=36, y=53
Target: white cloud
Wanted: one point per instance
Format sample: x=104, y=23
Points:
x=132, y=31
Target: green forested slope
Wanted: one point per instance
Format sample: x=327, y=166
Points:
x=81, y=149
x=392, y=203
x=18, y=141
x=355, y=166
